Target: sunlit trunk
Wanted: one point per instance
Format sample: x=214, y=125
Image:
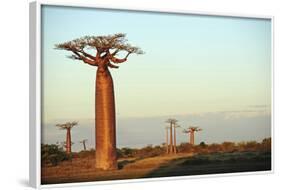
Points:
x=68, y=141
x=171, y=139
x=167, y=143
x=175, y=141
x=106, y=158
x=192, y=138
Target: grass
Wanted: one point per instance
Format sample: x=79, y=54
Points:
x=82, y=169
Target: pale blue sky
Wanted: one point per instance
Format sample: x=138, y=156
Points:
x=192, y=65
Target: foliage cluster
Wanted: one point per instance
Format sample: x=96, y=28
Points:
x=53, y=154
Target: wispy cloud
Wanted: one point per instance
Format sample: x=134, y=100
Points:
x=235, y=114
x=258, y=106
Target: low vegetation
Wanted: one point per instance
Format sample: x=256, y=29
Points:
x=53, y=154
x=153, y=161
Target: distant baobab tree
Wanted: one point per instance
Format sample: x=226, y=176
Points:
x=167, y=139
x=67, y=126
x=84, y=143
x=102, y=52
x=175, y=139
x=172, y=122
x=191, y=130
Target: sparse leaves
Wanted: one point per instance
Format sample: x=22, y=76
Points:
x=192, y=129
x=171, y=121
x=106, y=47
x=100, y=43
x=67, y=125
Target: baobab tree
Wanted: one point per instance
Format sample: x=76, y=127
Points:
x=191, y=130
x=172, y=122
x=167, y=139
x=175, y=140
x=84, y=143
x=67, y=126
x=103, y=52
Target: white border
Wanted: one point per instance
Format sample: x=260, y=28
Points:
x=35, y=90
x=35, y=95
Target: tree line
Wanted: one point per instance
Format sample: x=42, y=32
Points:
x=53, y=154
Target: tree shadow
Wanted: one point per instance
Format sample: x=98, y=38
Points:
x=202, y=166
x=123, y=163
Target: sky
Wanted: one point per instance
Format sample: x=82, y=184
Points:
x=210, y=71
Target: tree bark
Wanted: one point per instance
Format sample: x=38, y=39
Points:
x=106, y=157
x=167, y=143
x=68, y=141
x=192, y=137
x=175, y=141
x=171, y=139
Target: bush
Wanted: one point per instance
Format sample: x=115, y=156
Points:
x=228, y=147
x=185, y=147
x=52, y=154
x=150, y=151
x=266, y=145
x=203, y=144
x=86, y=153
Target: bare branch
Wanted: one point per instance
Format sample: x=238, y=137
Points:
x=67, y=125
x=84, y=59
x=74, y=57
x=103, y=45
x=88, y=55
x=112, y=66
x=100, y=43
x=116, y=60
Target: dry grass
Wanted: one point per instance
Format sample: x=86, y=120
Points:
x=83, y=169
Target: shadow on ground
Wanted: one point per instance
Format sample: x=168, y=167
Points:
x=214, y=164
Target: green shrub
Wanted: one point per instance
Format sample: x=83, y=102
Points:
x=52, y=154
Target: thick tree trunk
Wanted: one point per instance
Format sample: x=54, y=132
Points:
x=68, y=141
x=175, y=141
x=167, y=143
x=171, y=139
x=106, y=157
x=192, y=138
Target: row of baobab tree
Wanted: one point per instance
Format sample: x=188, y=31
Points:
x=68, y=143
x=171, y=146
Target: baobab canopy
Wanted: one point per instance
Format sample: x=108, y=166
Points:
x=67, y=125
x=107, y=46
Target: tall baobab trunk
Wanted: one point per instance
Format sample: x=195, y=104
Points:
x=175, y=141
x=106, y=157
x=68, y=141
x=167, y=142
x=171, y=138
x=192, y=137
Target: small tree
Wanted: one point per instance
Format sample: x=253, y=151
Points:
x=191, y=131
x=84, y=143
x=67, y=126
